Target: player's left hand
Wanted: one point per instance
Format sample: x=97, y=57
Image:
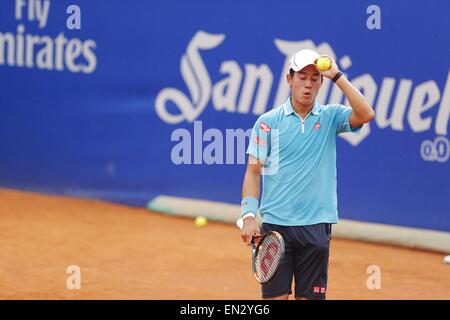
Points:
x=330, y=73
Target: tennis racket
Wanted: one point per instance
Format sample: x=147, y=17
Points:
x=267, y=253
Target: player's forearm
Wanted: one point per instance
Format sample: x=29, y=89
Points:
x=357, y=101
x=250, y=187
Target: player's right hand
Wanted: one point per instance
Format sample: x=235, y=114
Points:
x=250, y=228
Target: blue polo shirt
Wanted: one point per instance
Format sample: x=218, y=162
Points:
x=299, y=173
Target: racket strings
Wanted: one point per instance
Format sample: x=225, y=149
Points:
x=270, y=252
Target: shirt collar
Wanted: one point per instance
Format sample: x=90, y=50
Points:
x=289, y=110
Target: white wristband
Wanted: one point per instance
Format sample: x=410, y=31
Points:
x=250, y=214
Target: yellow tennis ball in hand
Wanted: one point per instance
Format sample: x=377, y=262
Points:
x=201, y=221
x=323, y=63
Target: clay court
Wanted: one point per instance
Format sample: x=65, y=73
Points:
x=131, y=253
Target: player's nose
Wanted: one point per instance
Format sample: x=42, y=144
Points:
x=308, y=84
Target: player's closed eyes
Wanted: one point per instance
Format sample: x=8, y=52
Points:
x=313, y=79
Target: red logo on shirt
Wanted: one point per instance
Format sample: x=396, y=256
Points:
x=258, y=140
x=264, y=127
x=317, y=126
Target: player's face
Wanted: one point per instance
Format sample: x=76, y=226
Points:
x=305, y=85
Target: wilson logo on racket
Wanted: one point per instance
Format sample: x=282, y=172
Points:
x=268, y=259
x=267, y=256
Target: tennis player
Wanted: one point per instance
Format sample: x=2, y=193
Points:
x=293, y=146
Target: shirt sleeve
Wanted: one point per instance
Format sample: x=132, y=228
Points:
x=259, y=144
x=342, y=120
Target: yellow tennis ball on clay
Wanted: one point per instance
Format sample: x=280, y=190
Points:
x=323, y=63
x=201, y=221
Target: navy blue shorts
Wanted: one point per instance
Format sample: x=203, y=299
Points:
x=305, y=261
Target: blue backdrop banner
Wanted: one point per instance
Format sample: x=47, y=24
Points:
x=127, y=100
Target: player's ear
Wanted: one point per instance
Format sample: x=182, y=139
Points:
x=289, y=79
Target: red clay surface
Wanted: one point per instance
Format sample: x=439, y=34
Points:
x=131, y=253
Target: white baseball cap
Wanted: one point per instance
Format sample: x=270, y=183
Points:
x=302, y=59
